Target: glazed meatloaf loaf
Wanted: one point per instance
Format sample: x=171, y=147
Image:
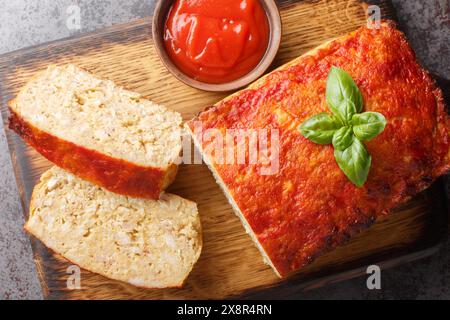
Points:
x=99, y=131
x=147, y=243
x=307, y=206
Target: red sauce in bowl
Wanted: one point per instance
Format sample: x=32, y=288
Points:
x=216, y=41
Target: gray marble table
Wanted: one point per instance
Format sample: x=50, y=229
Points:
x=25, y=23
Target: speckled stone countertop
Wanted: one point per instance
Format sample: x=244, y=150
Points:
x=29, y=22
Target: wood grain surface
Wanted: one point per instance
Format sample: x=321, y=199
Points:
x=230, y=265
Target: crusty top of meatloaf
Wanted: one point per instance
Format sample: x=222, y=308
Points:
x=309, y=206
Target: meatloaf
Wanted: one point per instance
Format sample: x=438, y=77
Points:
x=307, y=206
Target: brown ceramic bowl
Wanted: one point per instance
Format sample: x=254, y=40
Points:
x=273, y=15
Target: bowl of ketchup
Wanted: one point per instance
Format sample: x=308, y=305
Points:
x=217, y=45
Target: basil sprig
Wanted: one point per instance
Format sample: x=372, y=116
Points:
x=346, y=128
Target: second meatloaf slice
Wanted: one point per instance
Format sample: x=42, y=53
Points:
x=99, y=131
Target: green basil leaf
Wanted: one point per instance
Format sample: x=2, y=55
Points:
x=343, y=138
x=368, y=125
x=343, y=95
x=349, y=110
x=320, y=128
x=355, y=162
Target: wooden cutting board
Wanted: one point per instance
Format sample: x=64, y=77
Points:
x=230, y=265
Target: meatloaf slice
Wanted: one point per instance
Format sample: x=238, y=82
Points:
x=99, y=131
x=147, y=243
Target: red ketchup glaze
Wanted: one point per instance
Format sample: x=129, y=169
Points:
x=216, y=41
x=309, y=207
x=115, y=175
